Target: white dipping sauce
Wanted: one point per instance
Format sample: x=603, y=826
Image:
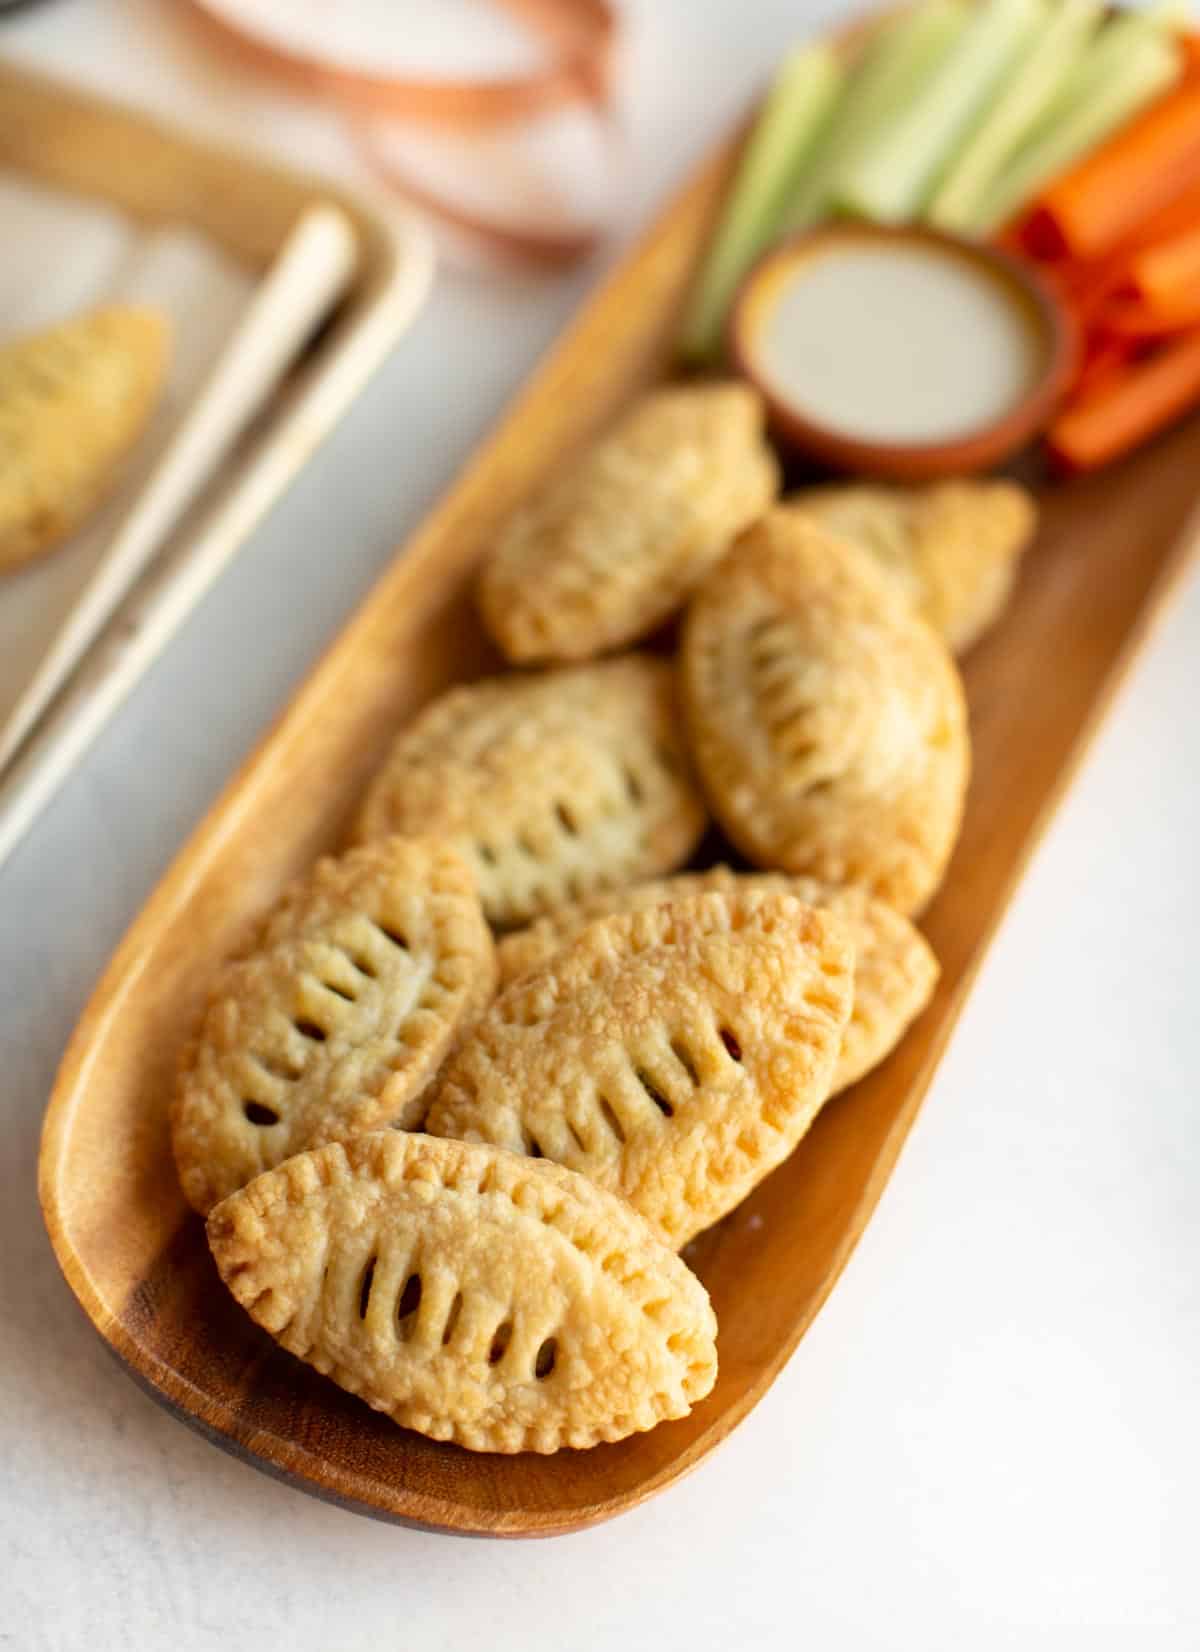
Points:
x=897, y=342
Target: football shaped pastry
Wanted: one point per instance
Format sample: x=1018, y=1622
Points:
x=362, y=982
x=550, y=785
x=617, y=541
x=827, y=719
x=895, y=970
x=73, y=400
x=674, y=1054
x=471, y=1295
x=954, y=547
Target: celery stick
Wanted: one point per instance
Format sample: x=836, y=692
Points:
x=800, y=100
x=1143, y=72
x=894, y=179
x=1031, y=87
x=897, y=62
x=1105, y=58
x=1108, y=51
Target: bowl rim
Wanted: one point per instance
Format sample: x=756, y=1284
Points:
x=976, y=449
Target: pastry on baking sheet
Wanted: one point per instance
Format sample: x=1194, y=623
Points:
x=826, y=718
x=674, y=1054
x=954, y=547
x=362, y=981
x=73, y=400
x=550, y=784
x=614, y=544
x=895, y=970
x=470, y=1294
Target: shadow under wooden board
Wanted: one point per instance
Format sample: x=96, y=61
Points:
x=1109, y=549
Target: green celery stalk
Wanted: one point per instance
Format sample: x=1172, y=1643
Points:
x=1141, y=72
x=896, y=64
x=1104, y=57
x=798, y=104
x=1031, y=87
x=895, y=177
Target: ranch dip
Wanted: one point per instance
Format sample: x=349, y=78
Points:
x=899, y=341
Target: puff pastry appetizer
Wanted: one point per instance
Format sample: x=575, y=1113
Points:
x=954, y=548
x=827, y=719
x=551, y=785
x=362, y=981
x=895, y=970
x=471, y=1295
x=73, y=400
x=619, y=538
x=673, y=1055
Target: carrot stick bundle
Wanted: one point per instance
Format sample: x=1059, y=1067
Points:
x=1189, y=44
x=1143, y=292
x=1103, y=359
x=1130, y=319
x=1180, y=214
x=1128, y=407
x=1088, y=211
x=1166, y=276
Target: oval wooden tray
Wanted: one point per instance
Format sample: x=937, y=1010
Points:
x=135, y=1257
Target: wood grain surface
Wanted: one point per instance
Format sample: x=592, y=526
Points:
x=1109, y=549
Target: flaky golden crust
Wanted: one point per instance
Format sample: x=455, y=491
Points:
x=895, y=970
x=469, y=1294
x=673, y=1054
x=617, y=541
x=73, y=400
x=827, y=720
x=361, y=983
x=550, y=785
x=953, y=547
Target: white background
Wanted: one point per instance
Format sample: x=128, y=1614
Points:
x=990, y=1437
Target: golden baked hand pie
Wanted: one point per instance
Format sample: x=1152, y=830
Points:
x=954, y=547
x=674, y=1055
x=614, y=545
x=551, y=784
x=73, y=400
x=827, y=719
x=362, y=982
x=471, y=1295
x=895, y=970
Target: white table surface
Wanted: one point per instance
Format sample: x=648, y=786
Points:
x=989, y=1438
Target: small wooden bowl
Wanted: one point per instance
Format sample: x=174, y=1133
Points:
x=977, y=448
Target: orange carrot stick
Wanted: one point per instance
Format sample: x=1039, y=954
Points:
x=1129, y=408
x=1181, y=213
x=1166, y=276
x=1103, y=359
x=1189, y=45
x=1092, y=208
x=1129, y=318
x=1092, y=286
x=1086, y=284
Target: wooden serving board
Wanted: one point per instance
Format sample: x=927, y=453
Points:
x=1109, y=550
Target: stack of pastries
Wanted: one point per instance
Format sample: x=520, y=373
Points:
x=477, y=1081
